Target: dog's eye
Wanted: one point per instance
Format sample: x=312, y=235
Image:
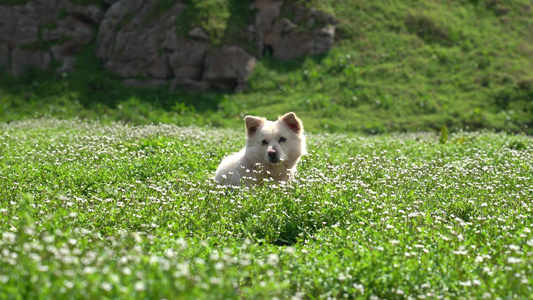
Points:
x=282, y=139
x=264, y=142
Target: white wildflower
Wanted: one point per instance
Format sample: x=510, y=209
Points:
x=273, y=259
x=106, y=286
x=139, y=286
x=514, y=260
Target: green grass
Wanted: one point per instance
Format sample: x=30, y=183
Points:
x=115, y=211
x=94, y=208
x=397, y=66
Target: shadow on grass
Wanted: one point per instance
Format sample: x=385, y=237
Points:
x=91, y=89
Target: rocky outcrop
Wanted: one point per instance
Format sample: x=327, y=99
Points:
x=309, y=32
x=24, y=29
x=135, y=42
x=133, y=47
x=130, y=45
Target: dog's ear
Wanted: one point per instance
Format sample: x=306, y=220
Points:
x=293, y=122
x=252, y=124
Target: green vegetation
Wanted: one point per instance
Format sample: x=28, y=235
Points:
x=89, y=210
x=94, y=208
x=224, y=20
x=397, y=66
x=95, y=94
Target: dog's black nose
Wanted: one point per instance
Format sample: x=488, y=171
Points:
x=272, y=156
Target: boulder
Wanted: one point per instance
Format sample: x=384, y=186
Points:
x=289, y=46
x=198, y=33
x=309, y=32
x=22, y=59
x=20, y=23
x=283, y=26
x=228, y=67
x=323, y=40
x=185, y=56
x=133, y=45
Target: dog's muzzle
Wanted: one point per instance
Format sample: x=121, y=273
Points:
x=273, y=156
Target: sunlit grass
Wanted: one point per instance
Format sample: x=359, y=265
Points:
x=89, y=210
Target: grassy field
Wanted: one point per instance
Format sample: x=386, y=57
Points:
x=396, y=66
x=97, y=202
x=115, y=211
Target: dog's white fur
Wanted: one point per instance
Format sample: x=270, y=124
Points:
x=273, y=149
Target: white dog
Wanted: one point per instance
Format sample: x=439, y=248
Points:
x=273, y=149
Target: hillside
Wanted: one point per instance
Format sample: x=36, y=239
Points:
x=396, y=66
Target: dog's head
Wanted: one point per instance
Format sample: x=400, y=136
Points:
x=280, y=142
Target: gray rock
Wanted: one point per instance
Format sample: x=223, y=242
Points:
x=285, y=42
x=286, y=38
x=323, y=40
x=21, y=26
x=21, y=23
x=22, y=59
x=72, y=28
x=267, y=12
x=188, y=72
x=133, y=42
x=133, y=46
x=185, y=57
x=4, y=54
x=289, y=46
x=198, y=33
x=228, y=67
x=87, y=13
x=283, y=26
